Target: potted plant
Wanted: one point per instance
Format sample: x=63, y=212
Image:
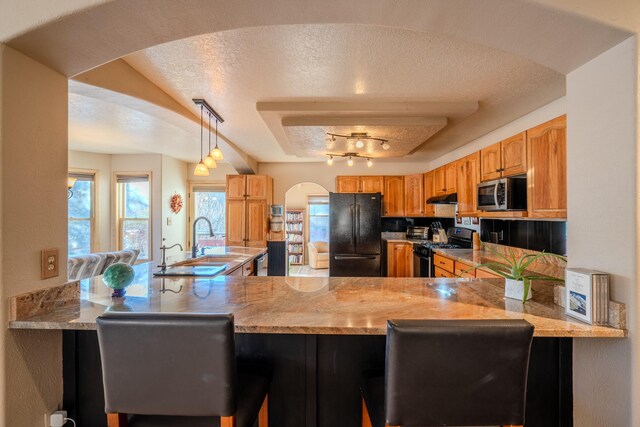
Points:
x=517, y=283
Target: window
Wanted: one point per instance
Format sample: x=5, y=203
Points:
x=81, y=214
x=209, y=201
x=134, y=214
x=318, y=218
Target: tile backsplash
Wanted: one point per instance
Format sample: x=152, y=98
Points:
x=549, y=236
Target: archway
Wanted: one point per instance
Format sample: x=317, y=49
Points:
x=307, y=229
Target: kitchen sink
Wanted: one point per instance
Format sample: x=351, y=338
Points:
x=192, y=270
x=211, y=260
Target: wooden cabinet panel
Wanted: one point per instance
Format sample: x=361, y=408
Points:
x=257, y=186
x=484, y=274
x=514, y=155
x=439, y=181
x=429, y=191
x=468, y=176
x=347, y=184
x=464, y=270
x=443, y=262
x=439, y=272
x=235, y=228
x=414, y=201
x=547, y=173
x=256, y=223
x=393, y=200
x=450, y=178
x=236, y=272
x=491, y=162
x=247, y=269
x=236, y=185
x=372, y=184
x=399, y=260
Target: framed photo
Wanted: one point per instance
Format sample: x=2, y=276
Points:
x=459, y=220
x=475, y=220
x=466, y=220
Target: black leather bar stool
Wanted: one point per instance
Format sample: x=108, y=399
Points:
x=450, y=373
x=178, y=370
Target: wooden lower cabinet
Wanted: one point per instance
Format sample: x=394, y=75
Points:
x=484, y=274
x=247, y=218
x=443, y=263
x=464, y=270
x=440, y=272
x=399, y=259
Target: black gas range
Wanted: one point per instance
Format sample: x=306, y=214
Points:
x=458, y=238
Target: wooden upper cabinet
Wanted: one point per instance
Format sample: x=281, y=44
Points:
x=514, y=155
x=450, y=178
x=235, y=227
x=256, y=223
x=347, y=184
x=438, y=181
x=257, y=186
x=468, y=176
x=236, y=186
x=429, y=191
x=414, y=201
x=372, y=184
x=393, y=200
x=504, y=158
x=491, y=163
x=547, y=172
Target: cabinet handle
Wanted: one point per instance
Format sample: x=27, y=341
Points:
x=497, y=170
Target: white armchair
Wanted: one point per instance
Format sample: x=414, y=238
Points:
x=318, y=255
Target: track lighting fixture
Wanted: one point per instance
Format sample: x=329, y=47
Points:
x=350, y=157
x=360, y=138
x=385, y=145
x=202, y=169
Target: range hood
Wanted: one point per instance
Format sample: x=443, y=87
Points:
x=447, y=199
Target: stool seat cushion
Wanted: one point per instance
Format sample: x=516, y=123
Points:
x=253, y=385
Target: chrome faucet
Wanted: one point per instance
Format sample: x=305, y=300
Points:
x=194, y=247
x=164, y=248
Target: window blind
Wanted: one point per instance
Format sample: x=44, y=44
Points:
x=82, y=176
x=132, y=178
x=318, y=200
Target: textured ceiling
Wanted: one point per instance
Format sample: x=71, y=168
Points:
x=236, y=69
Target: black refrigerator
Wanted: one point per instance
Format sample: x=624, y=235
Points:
x=354, y=243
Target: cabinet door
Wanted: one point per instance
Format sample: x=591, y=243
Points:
x=393, y=200
x=372, y=184
x=490, y=162
x=236, y=185
x=439, y=181
x=256, y=223
x=514, y=155
x=450, y=178
x=547, y=173
x=235, y=228
x=429, y=191
x=414, y=200
x=257, y=186
x=468, y=173
x=347, y=184
x=399, y=260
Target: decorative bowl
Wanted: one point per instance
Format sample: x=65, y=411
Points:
x=118, y=276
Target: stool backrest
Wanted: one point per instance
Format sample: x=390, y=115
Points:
x=457, y=372
x=168, y=364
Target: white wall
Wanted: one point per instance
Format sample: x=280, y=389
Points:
x=217, y=175
x=174, y=180
x=102, y=164
x=602, y=166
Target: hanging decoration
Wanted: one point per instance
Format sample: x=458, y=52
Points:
x=176, y=203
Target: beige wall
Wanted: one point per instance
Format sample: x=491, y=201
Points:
x=174, y=180
x=217, y=175
x=602, y=171
x=102, y=164
x=33, y=147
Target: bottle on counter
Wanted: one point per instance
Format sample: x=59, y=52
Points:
x=476, y=241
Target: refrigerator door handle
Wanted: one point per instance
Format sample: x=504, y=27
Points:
x=357, y=223
x=339, y=257
x=352, y=208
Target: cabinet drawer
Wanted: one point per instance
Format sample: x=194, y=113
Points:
x=442, y=273
x=247, y=269
x=236, y=272
x=484, y=274
x=464, y=270
x=443, y=263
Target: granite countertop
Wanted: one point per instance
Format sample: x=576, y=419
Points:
x=298, y=305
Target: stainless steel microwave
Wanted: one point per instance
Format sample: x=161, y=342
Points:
x=505, y=194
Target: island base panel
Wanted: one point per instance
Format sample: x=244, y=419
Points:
x=317, y=377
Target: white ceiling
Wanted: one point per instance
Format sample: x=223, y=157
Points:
x=234, y=70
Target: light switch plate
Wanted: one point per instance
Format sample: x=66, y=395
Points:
x=169, y=221
x=49, y=263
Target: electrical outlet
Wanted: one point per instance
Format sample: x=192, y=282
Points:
x=49, y=263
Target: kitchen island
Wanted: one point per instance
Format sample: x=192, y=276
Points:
x=319, y=333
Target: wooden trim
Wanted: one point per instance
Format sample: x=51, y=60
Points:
x=94, y=243
x=263, y=415
x=226, y=421
x=117, y=420
x=366, y=419
x=117, y=211
x=503, y=214
x=191, y=207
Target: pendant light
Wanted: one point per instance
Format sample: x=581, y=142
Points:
x=350, y=161
x=201, y=168
x=330, y=160
x=209, y=161
x=216, y=152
